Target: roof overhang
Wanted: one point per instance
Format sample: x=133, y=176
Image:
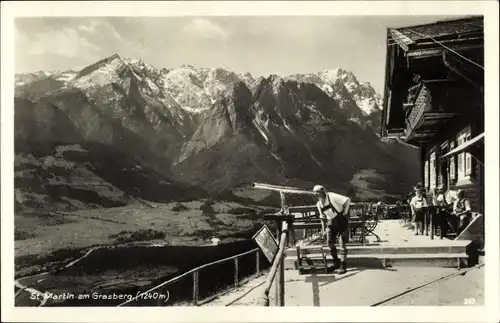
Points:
x=414, y=47
x=466, y=146
x=400, y=38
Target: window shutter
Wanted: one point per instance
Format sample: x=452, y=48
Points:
x=468, y=164
x=432, y=181
x=468, y=159
x=452, y=168
x=460, y=159
x=464, y=160
x=426, y=175
x=452, y=161
x=460, y=169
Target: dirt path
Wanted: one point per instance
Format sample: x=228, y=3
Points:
x=26, y=293
x=466, y=289
x=362, y=287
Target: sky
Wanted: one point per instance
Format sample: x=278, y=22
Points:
x=259, y=45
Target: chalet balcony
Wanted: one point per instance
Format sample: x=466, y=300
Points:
x=422, y=119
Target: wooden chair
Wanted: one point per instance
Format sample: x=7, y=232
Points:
x=357, y=213
x=372, y=219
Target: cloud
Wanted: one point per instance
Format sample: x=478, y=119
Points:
x=94, y=27
x=65, y=42
x=72, y=37
x=206, y=29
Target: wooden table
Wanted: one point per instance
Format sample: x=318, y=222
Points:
x=430, y=220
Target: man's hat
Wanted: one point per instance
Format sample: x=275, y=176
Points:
x=318, y=188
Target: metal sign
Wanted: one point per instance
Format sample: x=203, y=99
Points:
x=266, y=242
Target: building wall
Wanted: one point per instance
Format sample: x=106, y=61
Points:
x=472, y=187
x=475, y=193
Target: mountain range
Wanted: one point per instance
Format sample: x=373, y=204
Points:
x=121, y=130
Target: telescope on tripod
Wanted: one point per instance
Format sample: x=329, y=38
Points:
x=281, y=189
x=284, y=222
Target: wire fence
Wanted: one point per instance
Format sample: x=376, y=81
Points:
x=204, y=283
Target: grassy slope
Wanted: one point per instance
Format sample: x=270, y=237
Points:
x=186, y=223
x=75, y=196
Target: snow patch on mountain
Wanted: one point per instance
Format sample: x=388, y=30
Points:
x=327, y=88
x=104, y=73
x=261, y=131
x=194, y=110
x=66, y=76
x=363, y=94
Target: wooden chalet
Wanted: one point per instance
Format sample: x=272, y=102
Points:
x=434, y=99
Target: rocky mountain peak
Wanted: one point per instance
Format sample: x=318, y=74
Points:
x=219, y=128
x=276, y=81
x=237, y=91
x=347, y=77
x=114, y=56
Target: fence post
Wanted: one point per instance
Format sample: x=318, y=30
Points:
x=195, y=287
x=257, y=262
x=236, y=272
x=277, y=286
x=264, y=300
x=281, y=273
x=284, y=226
x=363, y=230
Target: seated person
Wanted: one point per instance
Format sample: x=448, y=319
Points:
x=418, y=204
x=462, y=211
x=443, y=202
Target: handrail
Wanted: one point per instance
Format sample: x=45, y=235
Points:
x=192, y=271
x=264, y=300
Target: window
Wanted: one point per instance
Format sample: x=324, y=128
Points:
x=432, y=180
x=452, y=162
x=464, y=160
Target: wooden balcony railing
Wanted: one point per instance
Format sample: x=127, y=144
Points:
x=415, y=112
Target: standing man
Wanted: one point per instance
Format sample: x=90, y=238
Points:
x=333, y=210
